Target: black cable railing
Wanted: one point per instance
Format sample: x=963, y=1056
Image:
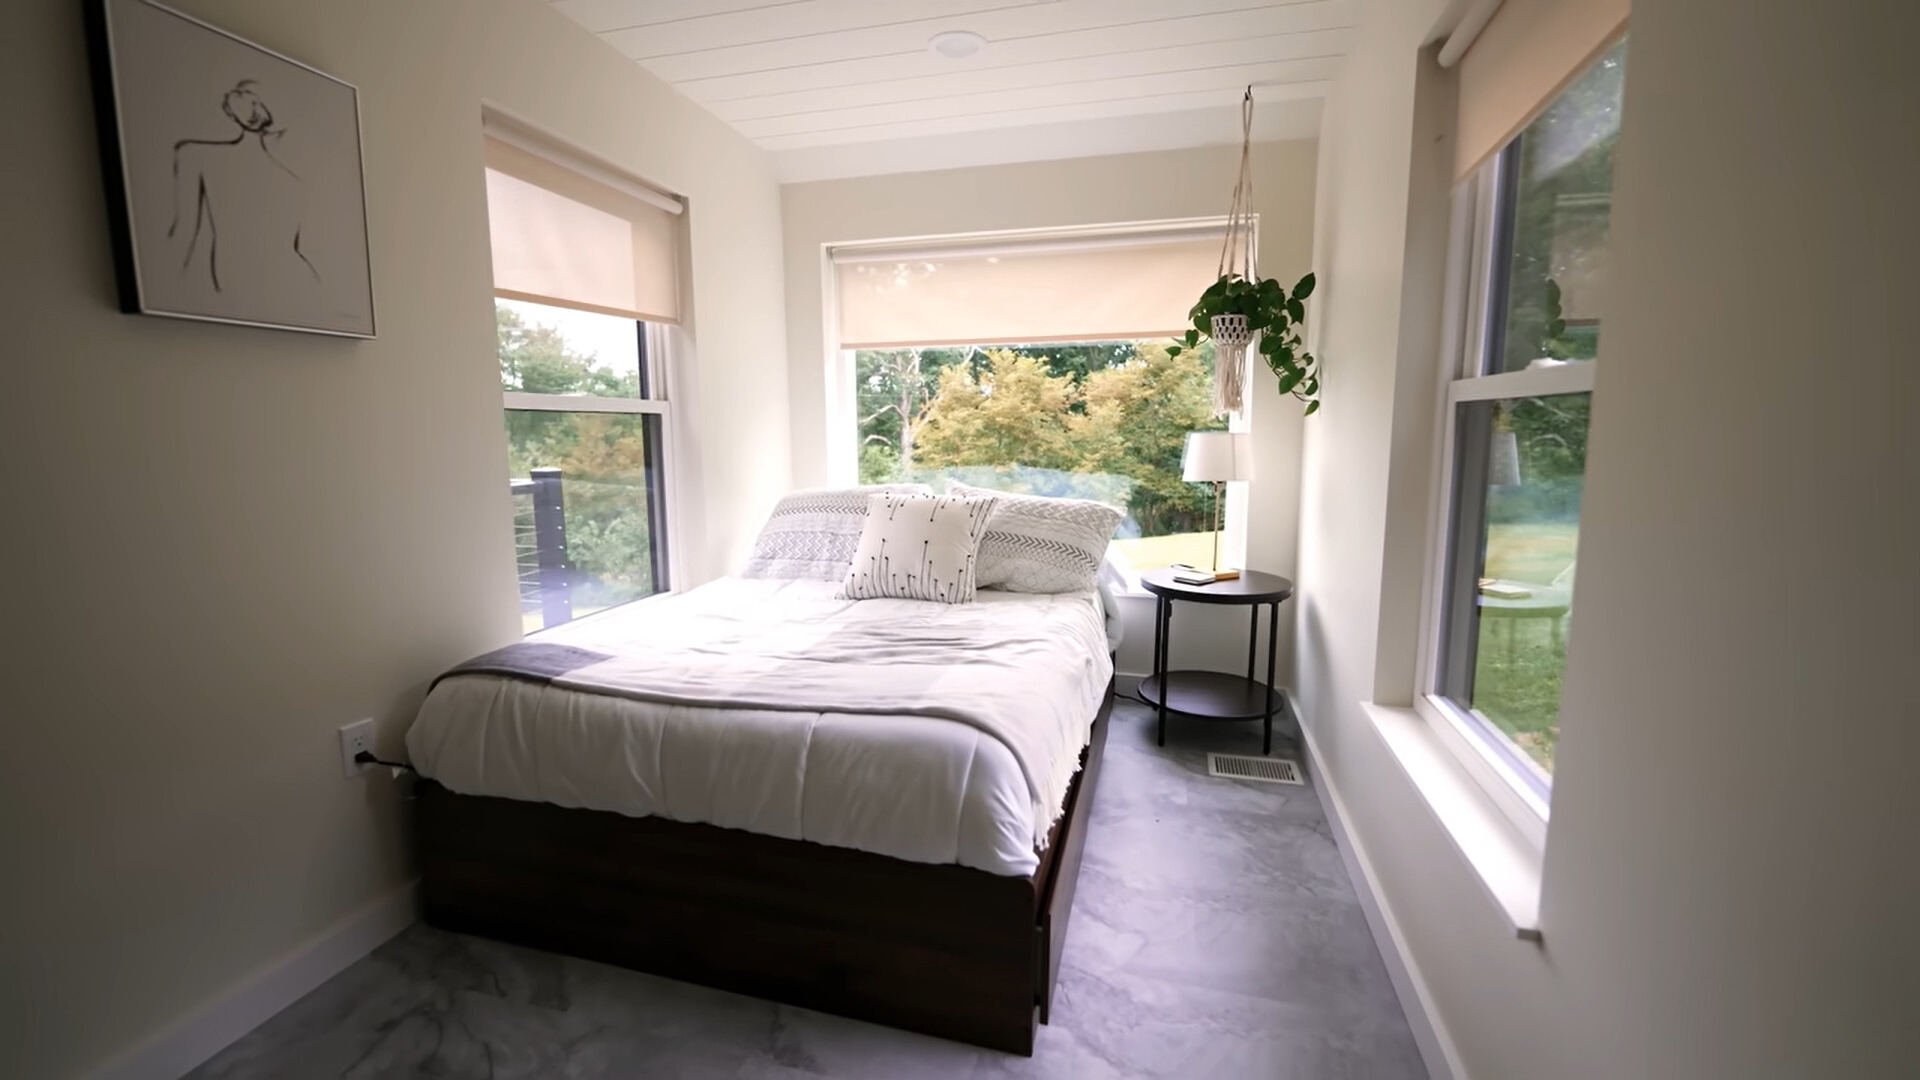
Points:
x=540, y=546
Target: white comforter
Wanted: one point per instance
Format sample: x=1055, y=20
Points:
x=931, y=732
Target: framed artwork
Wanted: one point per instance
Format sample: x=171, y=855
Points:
x=233, y=175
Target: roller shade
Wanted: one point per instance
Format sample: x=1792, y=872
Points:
x=1109, y=289
x=1526, y=54
x=561, y=236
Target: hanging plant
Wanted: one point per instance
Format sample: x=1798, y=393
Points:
x=1241, y=306
x=1235, y=308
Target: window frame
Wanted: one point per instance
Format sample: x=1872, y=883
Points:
x=1477, y=255
x=841, y=412
x=655, y=344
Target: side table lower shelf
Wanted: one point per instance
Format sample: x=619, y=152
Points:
x=1214, y=695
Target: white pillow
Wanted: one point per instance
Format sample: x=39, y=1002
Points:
x=811, y=534
x=1035, y=544
x=918, y=547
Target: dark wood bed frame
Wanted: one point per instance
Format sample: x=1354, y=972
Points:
x=945, y=950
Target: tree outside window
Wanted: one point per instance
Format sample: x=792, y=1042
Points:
x=1103, y=420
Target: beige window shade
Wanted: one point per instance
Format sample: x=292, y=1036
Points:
x=1116, y=288
x=561, y=237
x=1525, y=56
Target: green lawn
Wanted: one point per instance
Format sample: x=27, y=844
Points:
x=1530, y=552
x=1518, y=688
x=1154, y=552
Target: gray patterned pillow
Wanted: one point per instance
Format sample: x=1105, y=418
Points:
x=1040, y=545
x=918, y=547
x=811, y=534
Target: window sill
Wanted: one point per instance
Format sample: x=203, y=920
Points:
x=1506, y=865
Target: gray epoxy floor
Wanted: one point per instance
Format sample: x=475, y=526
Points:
x=1215, y=934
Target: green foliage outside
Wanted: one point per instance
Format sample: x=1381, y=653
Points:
x=602, y=458
x=1517, y=672
x=1561, y=207
x=1099, y=420
x=1562, y=202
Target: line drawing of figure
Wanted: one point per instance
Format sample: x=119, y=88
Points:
x=243, y=200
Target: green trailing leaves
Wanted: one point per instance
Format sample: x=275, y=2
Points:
x=1277, y=315
x=1554, y=341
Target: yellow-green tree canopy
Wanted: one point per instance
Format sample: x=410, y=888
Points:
x=1128, y=420
x=1014, y=413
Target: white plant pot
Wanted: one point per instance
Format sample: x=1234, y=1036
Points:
x=1230, y=331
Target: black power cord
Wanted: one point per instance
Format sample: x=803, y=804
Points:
x=365, y=757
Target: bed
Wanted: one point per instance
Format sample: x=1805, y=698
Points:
x=874, y=808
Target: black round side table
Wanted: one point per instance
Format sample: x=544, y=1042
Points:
x=1215, y=695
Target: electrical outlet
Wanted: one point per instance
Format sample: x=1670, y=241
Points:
x=354, y=738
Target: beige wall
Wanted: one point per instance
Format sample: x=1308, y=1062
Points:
x=222, y=543
x=1729, y=880
x=1084, y=191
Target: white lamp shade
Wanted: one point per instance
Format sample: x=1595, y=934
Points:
x=1216, y=456
x=1503, y=460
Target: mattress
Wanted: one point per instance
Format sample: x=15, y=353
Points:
x=925, y=788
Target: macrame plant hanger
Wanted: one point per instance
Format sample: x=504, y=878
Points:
x=1229, y=332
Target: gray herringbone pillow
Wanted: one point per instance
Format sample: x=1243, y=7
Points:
x=1041, y=545
x=811, y=534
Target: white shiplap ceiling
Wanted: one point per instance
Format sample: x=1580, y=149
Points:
x=847, y=87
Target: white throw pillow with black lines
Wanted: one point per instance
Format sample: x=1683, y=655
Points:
x=811, y=534
x=918, y=547
x=1035, y=544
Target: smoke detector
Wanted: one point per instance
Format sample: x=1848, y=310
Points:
x=956, y=44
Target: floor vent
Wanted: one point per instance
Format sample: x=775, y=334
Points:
x=1265, y=769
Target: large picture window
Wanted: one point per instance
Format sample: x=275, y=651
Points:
x=1038, y=365
x=1103, y=420
x=1517, y=412
x=587, y=291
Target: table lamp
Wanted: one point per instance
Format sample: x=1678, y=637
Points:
x=1216, y=457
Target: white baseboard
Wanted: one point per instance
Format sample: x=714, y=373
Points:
x=180, y=1047
x=1436, y=1045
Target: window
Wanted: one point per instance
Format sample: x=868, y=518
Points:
x=586, y=286
x=1535, y=261
x=584, y=460
x=1084, y=402
x=1103, y=420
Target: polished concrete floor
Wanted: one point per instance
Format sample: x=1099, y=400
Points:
x=1215, y=934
